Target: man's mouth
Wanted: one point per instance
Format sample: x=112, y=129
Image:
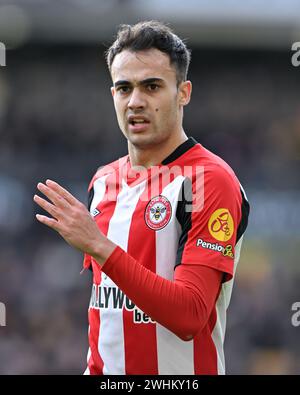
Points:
x=134, y=120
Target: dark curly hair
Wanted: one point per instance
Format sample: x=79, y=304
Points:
x=152, y=34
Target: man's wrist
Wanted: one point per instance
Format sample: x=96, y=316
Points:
x=103, y=250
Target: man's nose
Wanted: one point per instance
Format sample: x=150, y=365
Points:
x=136, y=100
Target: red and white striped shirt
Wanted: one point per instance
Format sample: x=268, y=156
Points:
x=179, y=229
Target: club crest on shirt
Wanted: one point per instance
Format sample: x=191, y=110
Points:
x=158, y=212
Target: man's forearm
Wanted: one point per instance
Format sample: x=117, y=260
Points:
x=183, y=306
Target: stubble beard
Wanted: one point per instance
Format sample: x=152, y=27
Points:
x=145, y=141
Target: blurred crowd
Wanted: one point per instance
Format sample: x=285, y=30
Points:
x=57, y=121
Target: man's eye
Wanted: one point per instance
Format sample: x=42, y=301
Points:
x=123, y=89
x=152, y=87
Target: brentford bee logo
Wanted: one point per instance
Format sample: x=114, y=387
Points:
x=158, y=212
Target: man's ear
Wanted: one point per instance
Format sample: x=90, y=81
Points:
x=113, y=91
x=185, y=91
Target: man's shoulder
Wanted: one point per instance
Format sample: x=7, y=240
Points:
x=203, y=160
x=217, y=164
x=109, y=168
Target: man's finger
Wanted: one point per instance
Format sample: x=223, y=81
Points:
x=51, y=222
x=52, y=195
x=61, y=191
x=50, y=208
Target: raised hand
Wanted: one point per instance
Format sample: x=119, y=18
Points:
x=71, y=219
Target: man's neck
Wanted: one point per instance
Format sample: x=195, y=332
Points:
x=154, y=155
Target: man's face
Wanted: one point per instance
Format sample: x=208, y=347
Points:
x=147, y=100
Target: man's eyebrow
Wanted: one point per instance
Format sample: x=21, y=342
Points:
x=121, y=82
x=150, y=81
x=143, y=82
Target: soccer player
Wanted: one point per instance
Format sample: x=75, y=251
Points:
x=165, y=223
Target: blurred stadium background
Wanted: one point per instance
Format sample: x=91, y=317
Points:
x=57, y=121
